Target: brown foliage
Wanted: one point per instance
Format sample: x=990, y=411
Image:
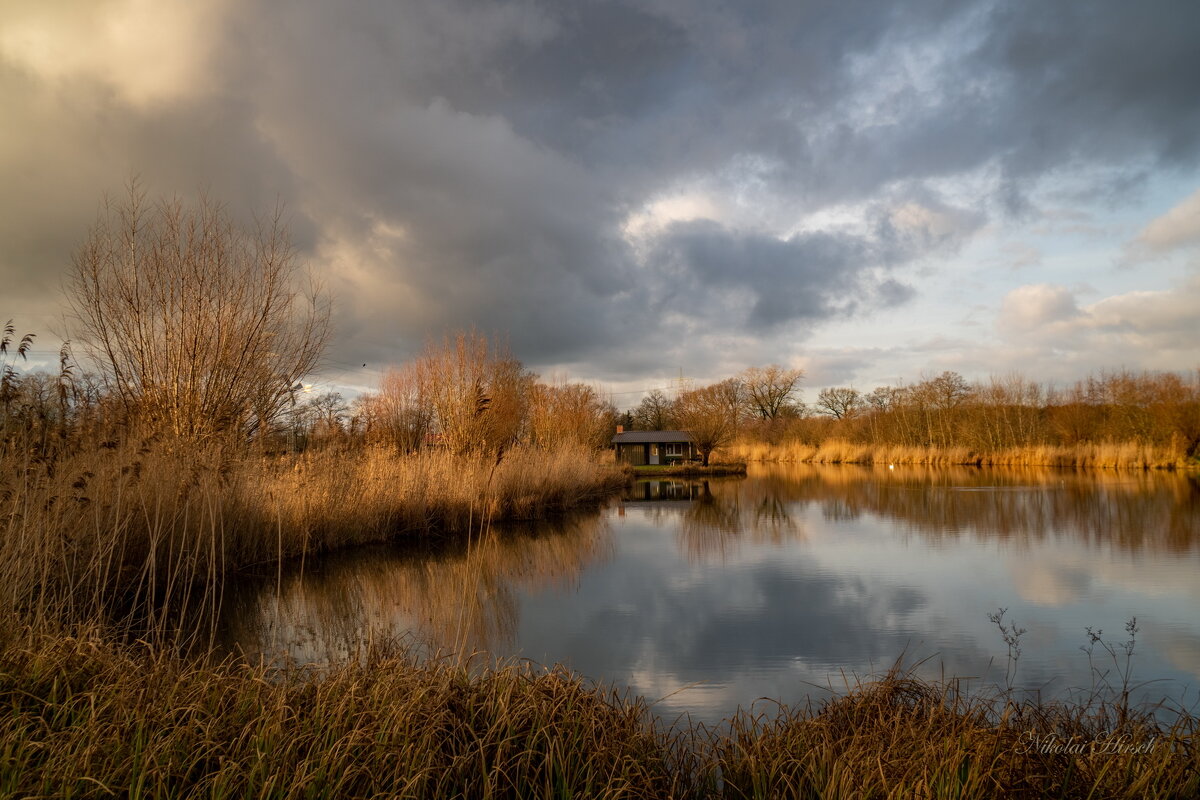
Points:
x=194, y=323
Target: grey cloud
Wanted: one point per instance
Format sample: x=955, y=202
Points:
x=804, y=278
x=451, y=163
x=807, y=277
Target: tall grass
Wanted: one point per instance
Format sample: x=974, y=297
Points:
x=903, y=737
x=81, y=717
x=1104, y=455
x=142, y=529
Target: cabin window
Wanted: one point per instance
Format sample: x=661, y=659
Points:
x=674, y=449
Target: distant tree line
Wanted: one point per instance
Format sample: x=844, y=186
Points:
x=464, y=393
x=760, y=399
x=763, y=404
x=469, y=394
x=1158, y=408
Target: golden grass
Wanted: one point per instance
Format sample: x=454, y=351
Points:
x=902, y=737
x=1104, y=455
x=82, y=717
x=158, y=526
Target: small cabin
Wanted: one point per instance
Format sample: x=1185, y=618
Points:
x=640, y=448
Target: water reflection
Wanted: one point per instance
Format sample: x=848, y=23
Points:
x=1133, y=511
x=461, y=596
x=716, y=592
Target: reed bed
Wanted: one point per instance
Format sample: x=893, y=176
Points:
x=82, y=717
x=904, y=737
x=156, y=526
x=1104, y=455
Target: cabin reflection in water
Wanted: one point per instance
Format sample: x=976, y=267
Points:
x=665, y=490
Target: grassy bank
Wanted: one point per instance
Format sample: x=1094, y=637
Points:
x=688, y=470
x=85, y=718
x=141, y=528
x=1108, y=455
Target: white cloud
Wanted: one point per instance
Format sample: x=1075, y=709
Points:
x=1031, y=308
x=683, y=207
x=1178, y=228
x=1138, y=329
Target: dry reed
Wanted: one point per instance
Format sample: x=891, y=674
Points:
x=144, y=529
x=1104, y=455
x=85, y=718
x=903, y=737
x=82, y=718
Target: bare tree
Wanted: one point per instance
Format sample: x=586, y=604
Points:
x=572, y=413
x=402, y=409
x=654, y=412
x=329, y=410
x=196, y=324
x=705, y=414
x=839, y=402
x=735, y=398
x=478, y=392
x=770, y=390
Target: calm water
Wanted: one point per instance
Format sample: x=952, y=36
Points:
x=713, y=594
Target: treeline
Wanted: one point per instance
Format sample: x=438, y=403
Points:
x=762, y=406
x=1159, y=409
x=763, y=399
x=466, y=394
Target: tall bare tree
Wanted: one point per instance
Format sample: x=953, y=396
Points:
x=770, y=390
x=654, y=412
x=705, y=414
x=195, y=323
x=402, y=410
x=478, y=392
x=839, y=401
x=569, y=413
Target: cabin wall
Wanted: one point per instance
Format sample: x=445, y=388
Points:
x=634, y=454
x=640, y=453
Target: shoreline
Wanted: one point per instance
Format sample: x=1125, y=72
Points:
x=688, y=470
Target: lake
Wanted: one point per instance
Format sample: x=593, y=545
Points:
x=705, y=595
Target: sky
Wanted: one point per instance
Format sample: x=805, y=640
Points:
x=633, y=192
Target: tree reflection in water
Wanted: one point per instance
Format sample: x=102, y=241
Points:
x=448, y=597
x=1127, y=510
x=699, y=580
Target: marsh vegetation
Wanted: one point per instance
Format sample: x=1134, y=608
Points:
x=135, y=487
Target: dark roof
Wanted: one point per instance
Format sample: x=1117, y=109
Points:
x=653, y=437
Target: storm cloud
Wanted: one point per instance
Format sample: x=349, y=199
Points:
x=585, y=177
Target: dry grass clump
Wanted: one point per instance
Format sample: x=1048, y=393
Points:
x=157, y=526
x=1104, y=455
x=83, y=718
x=902, y=737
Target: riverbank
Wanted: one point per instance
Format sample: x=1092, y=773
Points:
x=1109, y=455
x=688, y=470
x=136, y=529
x=83, y=717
